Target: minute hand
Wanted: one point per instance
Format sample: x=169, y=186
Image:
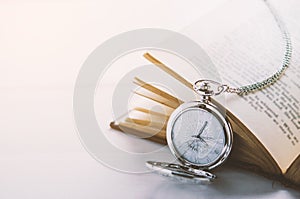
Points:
x=201, y=130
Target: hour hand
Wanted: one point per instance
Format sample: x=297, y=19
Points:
x=201, y=130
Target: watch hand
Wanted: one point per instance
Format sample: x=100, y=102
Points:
x=208, y=138
x=201, y=130
x=212, y=139
x=186, y=146
x=203, y=141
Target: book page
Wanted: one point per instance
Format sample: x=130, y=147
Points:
x=249, y=50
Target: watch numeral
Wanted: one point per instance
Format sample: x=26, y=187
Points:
x=208, y=159
x=216, y=151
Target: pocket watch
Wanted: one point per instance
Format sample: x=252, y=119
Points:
x=198, y=135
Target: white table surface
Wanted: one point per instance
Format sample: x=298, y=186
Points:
x=42, y=47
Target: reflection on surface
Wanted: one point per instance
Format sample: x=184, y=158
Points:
x=231, y=183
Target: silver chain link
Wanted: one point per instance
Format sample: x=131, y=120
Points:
x=286, y=60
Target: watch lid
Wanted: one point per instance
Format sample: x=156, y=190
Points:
x=181, y=173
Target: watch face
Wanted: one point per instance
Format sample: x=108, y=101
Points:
x=198, y=135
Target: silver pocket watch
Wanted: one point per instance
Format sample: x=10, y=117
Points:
x=199, y=136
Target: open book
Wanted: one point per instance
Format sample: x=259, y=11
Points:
x=266, y=123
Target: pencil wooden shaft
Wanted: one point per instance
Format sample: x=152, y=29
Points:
x=145, y=132
x=151, y=112
x=156, y=90
x=163, y=101
x=168, y=70
x=158, y=125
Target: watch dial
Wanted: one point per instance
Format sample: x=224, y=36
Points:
x=198, y=136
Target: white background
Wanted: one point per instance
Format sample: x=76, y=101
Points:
x=42, y=47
